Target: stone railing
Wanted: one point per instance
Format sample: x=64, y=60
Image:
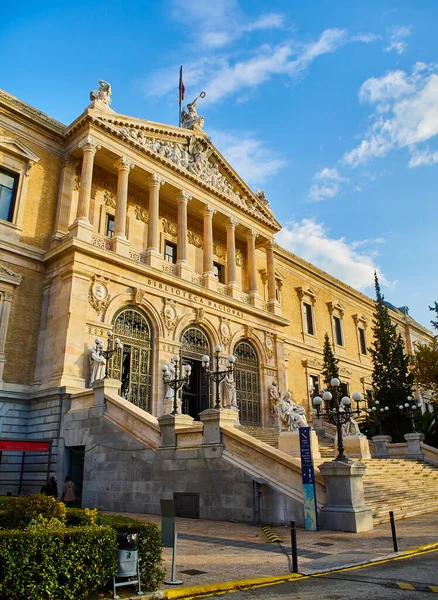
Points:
x=245, y=298
x=430, y=454
x=169, y=268
x=222, y=289
x=101, y=241
x=139, y=257
x=198, y=279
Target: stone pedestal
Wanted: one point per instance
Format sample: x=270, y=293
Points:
x=100, y=386
x=381, y=445
x=169, y=425
x=356, y=446
x=255, y=299
x=318, y=426
x=275, y=307
x=413, y=440
x=210, y=281
x=154, y=258
x=184, y=270
x=81, y=229
x=234, y=290
x=213, y=420
x=121, y=245
x=168, y=406
x=289, y=443
x=345, y=508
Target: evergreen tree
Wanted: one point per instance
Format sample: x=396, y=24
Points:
x=435, y=308
x=330, y=363
x=392, y=381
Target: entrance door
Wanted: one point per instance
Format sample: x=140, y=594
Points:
x=195, y=395
x=77, y=459
x=247, y=377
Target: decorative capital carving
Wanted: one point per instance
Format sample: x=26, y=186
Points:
x=124, y=164
x=251, y=234
x=69, y=162
x=270, y=244
x=89, y=145
x=155, y=180
x=208, y=211
x=183, y=197
x=231, y=223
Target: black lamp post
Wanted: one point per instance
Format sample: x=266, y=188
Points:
x=218, y=375
x=380, y=413
x=339, y=414
x=177, y=379
x=410, y=410
x=113, y=345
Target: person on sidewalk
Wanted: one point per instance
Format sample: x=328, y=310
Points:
x=52, y=487
x=68, y=493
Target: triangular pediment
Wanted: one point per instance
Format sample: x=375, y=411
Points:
x=15, y=146
x=192, y=153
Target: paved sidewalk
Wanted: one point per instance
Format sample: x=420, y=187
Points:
x=211, y=552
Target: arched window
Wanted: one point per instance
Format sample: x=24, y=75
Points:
x=133, y=366
x=247, y=377
x=196, y=395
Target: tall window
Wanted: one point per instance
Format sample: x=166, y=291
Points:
x=314, y=385
x=219, y=272
x=247, y=378
x=362, y=341
x=308, y=318
x=169, y=252
x=337, y=325
x=109, y=230
x=8, y=193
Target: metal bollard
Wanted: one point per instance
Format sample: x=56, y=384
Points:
x=394, y=534
x=293, y=538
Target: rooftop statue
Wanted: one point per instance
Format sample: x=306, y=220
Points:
x=103, y=94
x=190, y=118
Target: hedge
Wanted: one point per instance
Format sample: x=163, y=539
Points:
x=67, y=563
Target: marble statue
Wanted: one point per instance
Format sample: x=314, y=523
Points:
x=291, y=415
x=274, y=397
x=190, y=118
x=229, y=393
x=103, y=94
x=170, y=392
x=351, y=428
x=97, y=362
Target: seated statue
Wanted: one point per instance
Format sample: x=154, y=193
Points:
x=351, y=428
x=103, y=94
x=291, y=415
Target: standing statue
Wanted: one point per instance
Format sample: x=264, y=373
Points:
x=170, y=392
x=274, y=397
x=291, y=415
x=97, y=362
x=103, y=94
x=229, y=393
x=190, y=118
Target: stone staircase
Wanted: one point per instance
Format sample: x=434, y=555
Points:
x=406, y=487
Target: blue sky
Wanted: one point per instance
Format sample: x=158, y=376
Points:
x=330, y=107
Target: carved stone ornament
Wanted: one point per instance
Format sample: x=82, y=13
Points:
x=195, y=238
x=170, y=227
x=225, y=331
x=141, y=214
x=219, y=249
x=110, y=199
x=200, y=315
x=98, y=297
x=269, y=346
x=249, y=331
x=139, y=295
x=190, y=118
x=169, y=314
x=239, y=258
x=103, y=94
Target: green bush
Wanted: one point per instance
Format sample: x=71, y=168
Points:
x=22, y=510
x=67, y=563
x=149, y=542
x=5, y=501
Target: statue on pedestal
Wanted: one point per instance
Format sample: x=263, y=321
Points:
x=229, y=394
x=190, y=118
x=97, y=362
x=351, y=428
x=274, y=397
x=103, y=94
x=291, y=415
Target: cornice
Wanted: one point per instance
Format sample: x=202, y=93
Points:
x=42, y=119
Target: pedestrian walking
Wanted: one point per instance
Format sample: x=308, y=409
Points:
x=68, y=493
x=52, y=487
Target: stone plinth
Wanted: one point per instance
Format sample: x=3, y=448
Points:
x=168, y=406
x=154, y=258
x=356, y=446
x=345, y=508
x=289, y=443
x=121, y=245
x=413, y=440
x=381, y=445
x=100, y=386
x=318, y=426
x=213, y=419
x=169, y=425
x=81, y=229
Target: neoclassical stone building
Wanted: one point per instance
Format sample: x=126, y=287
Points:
x=118, y=224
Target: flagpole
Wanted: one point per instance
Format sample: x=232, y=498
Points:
x=180, y=92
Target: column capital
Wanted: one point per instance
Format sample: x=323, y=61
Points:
x=89, y=145
x=251, y=234
x=183, y=196
x=208, y=210
x=154, y=180
x=69, y=161
x=231, y=223
x=124, y=164
x=270, y=244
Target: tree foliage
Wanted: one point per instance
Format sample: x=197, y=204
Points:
x=392, y=381
x=426, y=366
x=330, y=363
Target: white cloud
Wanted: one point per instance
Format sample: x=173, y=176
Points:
x=249, y=156
x=367, y=38
x=310, y=240
x=328, y=185
x=397, y=38
x=406, y=116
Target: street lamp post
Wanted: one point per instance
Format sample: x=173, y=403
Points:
x=380, y=413
x=340, y=413
x=410, y=410
x=217, y=376
x=113, y=345
x=182, y=377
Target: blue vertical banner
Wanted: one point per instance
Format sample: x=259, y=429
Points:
x=308, y=475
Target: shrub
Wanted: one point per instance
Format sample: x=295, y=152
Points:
x=21, y=510
x=67, y=563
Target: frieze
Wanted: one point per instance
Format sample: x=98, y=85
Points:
x=195, y=238
x=94, y=330
x=141, y=214
x=170, y=227
x=219, y=249
x=109, y=199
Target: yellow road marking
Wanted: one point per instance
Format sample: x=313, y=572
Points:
x=405, y=586
x=433, y=588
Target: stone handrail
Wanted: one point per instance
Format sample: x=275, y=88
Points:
x=261, y=461
x=430, y=454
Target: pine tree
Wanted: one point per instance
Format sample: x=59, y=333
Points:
x=330, y=363
x=434, y=308
x=392, y=381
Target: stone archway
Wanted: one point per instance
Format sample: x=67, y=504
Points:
x=247, y=377
x=196, y=395
x=133, y=366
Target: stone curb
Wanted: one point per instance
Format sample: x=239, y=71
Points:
x=200, y=591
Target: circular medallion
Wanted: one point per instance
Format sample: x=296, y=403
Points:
x=100, y=291
x=170, y=312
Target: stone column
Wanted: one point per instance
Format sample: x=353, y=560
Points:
x=153, y=254
x=82, y=228
x=253, y=294
x=184, y=269
x=121, y=244
x=381, y=446
x=65, y=196
x=273, y=304
x=210, y=280
x=232, y=285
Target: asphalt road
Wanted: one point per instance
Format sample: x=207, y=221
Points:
x=369, y=583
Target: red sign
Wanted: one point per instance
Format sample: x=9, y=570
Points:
x=19, y=446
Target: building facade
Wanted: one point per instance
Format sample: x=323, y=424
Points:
x=117, y=224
